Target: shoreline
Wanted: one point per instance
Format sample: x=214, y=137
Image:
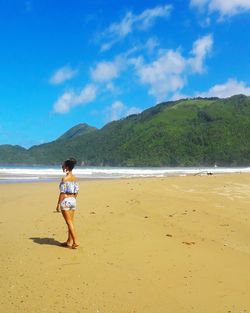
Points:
x=51, y=174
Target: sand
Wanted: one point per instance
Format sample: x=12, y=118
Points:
x=177, y=245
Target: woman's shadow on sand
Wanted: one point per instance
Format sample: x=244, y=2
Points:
x=46, y=241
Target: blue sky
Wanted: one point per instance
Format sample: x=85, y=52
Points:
x=92, y=61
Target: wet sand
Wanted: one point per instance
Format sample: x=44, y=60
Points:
x=177, y=245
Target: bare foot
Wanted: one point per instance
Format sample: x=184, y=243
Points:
x=75, y=246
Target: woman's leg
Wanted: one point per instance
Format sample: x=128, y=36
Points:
x=68, y=216
x=70, y=239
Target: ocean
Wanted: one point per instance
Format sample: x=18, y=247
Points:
x=15, y=174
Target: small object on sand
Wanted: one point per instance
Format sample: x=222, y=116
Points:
x=146, y=216
x=203, y=173
x=92, y=212
x=169, y=235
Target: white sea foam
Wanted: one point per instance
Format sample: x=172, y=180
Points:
x=42, y=173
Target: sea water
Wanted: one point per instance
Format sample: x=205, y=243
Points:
x=48, y=173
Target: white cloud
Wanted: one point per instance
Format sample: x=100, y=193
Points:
x=107, y=45
x=130, y=22
x=87, y=94
x=62, y=74
x=133, y=110
x=163, y=75
x=201, y=48
x=119, y=110
x=115, y=111
x=108, y=70
x=224, y=7
x=104, y=71
x=147, y=17
x=111, y=87
x=70, y=99
x=64, y=103
x=229, y=88
x=168, y=73
x=151, y=44
x=198, y=3
x=178, y=96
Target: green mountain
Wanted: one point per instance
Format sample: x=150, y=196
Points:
x=77, y=130
x=188, y=132
x=12, y=154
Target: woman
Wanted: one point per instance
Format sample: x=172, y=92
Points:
x=67, y=201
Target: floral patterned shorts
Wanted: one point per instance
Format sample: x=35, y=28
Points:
x=68, y=204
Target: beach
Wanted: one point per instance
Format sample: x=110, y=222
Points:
x=147, y=245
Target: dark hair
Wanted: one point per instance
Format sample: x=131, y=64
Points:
x=70, y=163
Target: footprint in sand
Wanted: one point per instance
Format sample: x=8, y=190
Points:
x=189, y=243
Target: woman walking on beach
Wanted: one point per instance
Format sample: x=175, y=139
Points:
x=67, y=201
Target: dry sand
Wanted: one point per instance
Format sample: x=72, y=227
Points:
x=170, y=245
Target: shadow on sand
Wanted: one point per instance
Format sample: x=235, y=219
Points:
x=46, y=241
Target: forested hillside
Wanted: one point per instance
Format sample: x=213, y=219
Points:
x=189, y=132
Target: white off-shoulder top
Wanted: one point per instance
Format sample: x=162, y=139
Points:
x=69, y=187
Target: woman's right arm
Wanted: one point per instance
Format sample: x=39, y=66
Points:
x=60, y=198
